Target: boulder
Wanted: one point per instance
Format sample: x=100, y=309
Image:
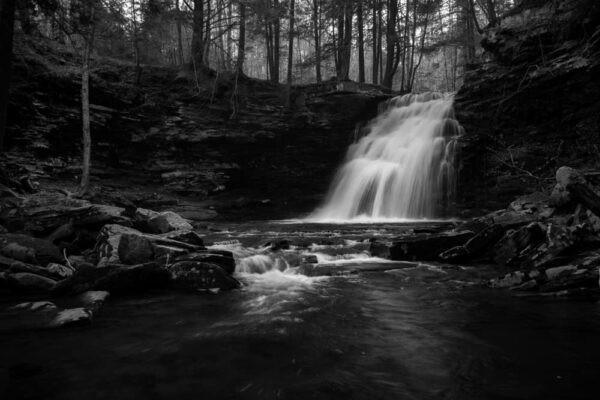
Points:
x=93, y=300
x=44, y=212
x=200, y=276
x=280, y=244
x=124, y=279
x=225, y=261
x=115, y=278
x=29, y=249
x=34, y=306
x=381, y=249
x=72, y=317
x=559, y=240
x=511, y=219
x=476, y=245
x=310, y=259
x=168, y=221
x=166, y=254
x=427, y=247
x=135, y=249
x=107, y=246
x=29, y=282
x=515, y=241
x=189, y=237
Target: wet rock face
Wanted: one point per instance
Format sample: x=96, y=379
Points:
x=532, y=104
x=163, y=132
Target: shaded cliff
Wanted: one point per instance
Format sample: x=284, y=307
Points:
x=229, y=143
x=533, y=104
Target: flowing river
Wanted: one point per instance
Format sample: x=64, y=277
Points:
x=420, y=331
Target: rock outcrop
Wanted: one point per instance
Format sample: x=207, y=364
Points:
x=532, y=104
x=230, y=143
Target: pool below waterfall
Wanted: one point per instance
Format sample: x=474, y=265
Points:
x=420, y=331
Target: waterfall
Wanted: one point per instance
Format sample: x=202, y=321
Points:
x=404, y=168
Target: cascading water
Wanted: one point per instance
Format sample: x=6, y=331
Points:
x=403, y=168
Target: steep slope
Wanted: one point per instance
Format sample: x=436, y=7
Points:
x=533, y=104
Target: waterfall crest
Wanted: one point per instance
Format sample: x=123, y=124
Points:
x=403, y=168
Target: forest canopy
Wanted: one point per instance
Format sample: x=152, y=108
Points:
x=406, y=45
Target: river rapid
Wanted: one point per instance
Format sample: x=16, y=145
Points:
x=423, y=331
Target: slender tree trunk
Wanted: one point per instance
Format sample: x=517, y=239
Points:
x=491, y=8
x=290, y=54
x=207, y=34
x=136, y=47
x=229, y=37
x=7, y=21
x=361, y=44
x=317, y=29
x=277, y=43
x=241, y=55
x=198, y=34
x=421, y=46
x=390, y=43
x=179, y=40
x=405, y=47
x=380, y=39
x=85, y=107
x=375, y=66
x=345, y=41
x=290, y=45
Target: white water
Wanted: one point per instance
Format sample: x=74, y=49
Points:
x=403, y=169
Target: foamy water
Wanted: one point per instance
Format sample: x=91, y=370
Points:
x=402, y=170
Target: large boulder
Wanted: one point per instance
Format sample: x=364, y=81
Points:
x=119, y=279
x=135, y=249
x=200, y=276
x=30, y=282
x=138, y=247
x=427, y=247
x=475, y=246
x=29, y=249
x=168, y=221
x=514, y=242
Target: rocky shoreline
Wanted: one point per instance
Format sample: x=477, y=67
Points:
x=548, y=244
x=54, y=246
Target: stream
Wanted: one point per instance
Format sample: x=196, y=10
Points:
x=421, y=331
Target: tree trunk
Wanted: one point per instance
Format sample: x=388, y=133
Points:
x=229, y=36
x=345, y=41
x=179, y=40
x=317, y=31
x=276, y=44
x=7, y=20
x=85, y=107
x=135, y=42
x=361, y=45
x=390, y=43
x=241, y=55
x=198, y=35
x=375, y=64
x=290, y=54
x=290, y=45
